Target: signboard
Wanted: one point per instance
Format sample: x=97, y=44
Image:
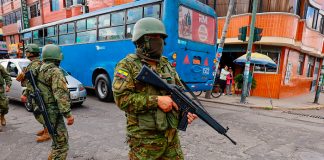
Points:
x=288, y=73
x=24, y=14
x=3, y=46
x=196, y=26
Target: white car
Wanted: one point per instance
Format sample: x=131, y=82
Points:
x=15, y=66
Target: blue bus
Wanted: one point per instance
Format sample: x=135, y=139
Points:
x=93, y=43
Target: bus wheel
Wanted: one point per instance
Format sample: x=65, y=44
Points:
x=103, y=89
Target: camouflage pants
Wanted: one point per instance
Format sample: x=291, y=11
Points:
x=157, y=148
x=3, y=101
x=38, y=116
x=60, y=145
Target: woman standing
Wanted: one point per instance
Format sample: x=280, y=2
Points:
x=229, y=82
x=222, y=77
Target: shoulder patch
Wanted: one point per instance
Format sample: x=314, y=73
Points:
x=122, y=73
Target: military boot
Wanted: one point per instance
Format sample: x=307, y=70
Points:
x=44, y=137
x=3, y=120
x=39, y=133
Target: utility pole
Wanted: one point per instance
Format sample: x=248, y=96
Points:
x=219, y=50
x=320, y=85
x=248, y=54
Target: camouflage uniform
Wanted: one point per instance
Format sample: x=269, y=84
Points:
x=152, y=134
x=5, y=80
x=34, y=67
x=55, y=93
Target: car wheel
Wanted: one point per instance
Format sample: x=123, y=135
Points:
x=103, y=88
x=28, y=106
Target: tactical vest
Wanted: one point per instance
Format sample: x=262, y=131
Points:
x=44, y=85
x=154, y=119
x=2, y=80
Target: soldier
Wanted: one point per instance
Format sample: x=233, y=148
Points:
x=55, y=93
x=5, y=80
x=32, y=53
x=152, y=116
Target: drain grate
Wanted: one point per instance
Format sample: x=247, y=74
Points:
x=305, y=115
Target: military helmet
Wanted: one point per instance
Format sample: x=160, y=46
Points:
x=148, y=25
x=32, y=48
x=52, y=52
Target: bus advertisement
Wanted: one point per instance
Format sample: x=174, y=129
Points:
x=93, y=43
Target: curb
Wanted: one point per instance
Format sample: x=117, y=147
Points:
x=318, y=107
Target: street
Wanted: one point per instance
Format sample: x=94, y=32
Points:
x=99, y=134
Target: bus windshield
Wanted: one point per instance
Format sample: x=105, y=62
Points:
x=196, y=26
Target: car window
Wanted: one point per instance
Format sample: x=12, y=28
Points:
x=12, y=69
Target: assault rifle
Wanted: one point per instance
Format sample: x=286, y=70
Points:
x=185, y=104
x=41, y=105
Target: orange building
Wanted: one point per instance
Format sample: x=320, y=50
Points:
x=293, y=36
x=20, y=14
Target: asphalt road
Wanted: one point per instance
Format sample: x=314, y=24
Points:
x=99, y=134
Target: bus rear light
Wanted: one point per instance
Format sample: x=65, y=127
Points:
x=206, y=62
x=174, y=56
x=174, y=64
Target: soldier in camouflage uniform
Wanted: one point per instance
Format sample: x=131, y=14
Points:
x=55, y=93
x=5, y=81
x=32, y=53
x=152, y=116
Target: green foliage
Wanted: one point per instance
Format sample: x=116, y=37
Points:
x=239, y=81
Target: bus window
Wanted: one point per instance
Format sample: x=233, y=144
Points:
x=81, y=25
x=104, y=20
x=70, y=28
x=66, y=39
x=129, y=30
x=91, y=23
x=63, y=29
x=50, y=31
x=51, y=40
x=114, y=33
x=152, y=11
x=86, y=37
x=134, y=15
x=38, y=37
x=117, y=18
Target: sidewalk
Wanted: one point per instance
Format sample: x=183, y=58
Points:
x=295, y=103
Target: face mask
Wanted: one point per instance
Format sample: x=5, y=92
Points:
x=155, y=48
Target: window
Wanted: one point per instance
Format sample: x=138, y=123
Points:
x=55, y=5
x=12, y=69
x=300, y=65
x=310, y=66
x=81, y=25
x=117, y=18
x=12, y=39
x=241, y=7
x=319, y=22
x=129, y=30
x=152, y=11
x=91, y=23
x=104, y=21
x=310, y=16
x=114, y=33
x=51, y=35
x=134, y=15
x=18, y=15
x=34, y=10
x=68, y=3
x=66, y=32
x=289, y=6
x=86, y=37
x=38, y=37
x=275, y=57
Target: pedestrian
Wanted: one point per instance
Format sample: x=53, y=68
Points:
x=229, y=82
x=222, y=78
x=151, y=114
x=32, y=53
x=55, y=93
x=5, y=81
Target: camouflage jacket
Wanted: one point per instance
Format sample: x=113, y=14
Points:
x=53, y=85
x=34, y=67
x=139, y=100
x=4, y=77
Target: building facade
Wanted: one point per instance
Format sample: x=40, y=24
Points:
x=21, y=14
x=293, y=36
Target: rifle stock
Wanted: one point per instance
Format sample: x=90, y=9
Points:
x=185, y=104
x=40, y=103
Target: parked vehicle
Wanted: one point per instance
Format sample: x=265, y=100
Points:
x=15, y=66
